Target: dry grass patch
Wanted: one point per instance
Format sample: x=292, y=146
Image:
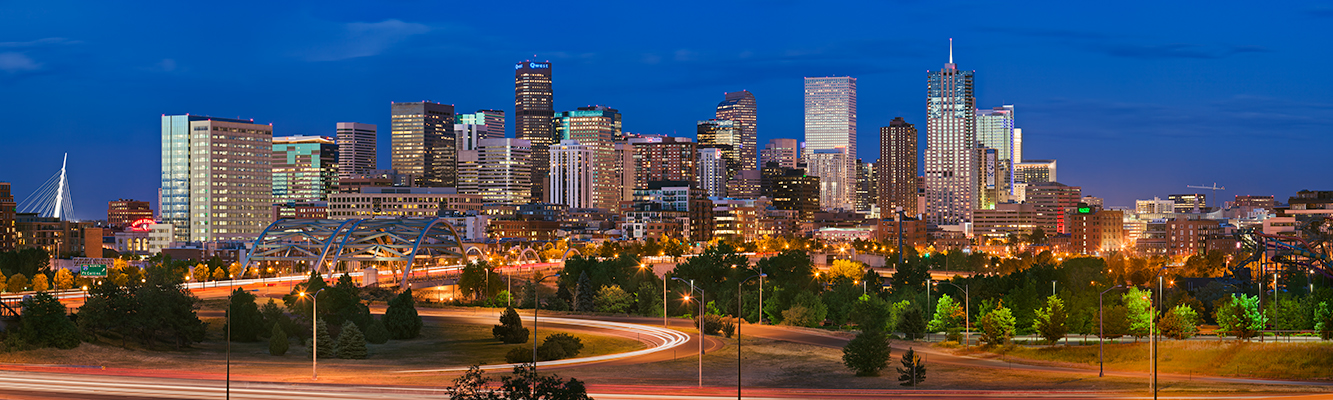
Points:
x=1302, y=361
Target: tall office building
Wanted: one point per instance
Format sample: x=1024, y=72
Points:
x=305, y=168
x=830, y=123
x=534, y=111
x=995, y=130
x=596, y=128
x=898, y=168
x=837, y=190
x=493, y=119
x=724, y=135
x=740, y=108
x=867, y=187
x=423, y=143
x=785, y=152
x=712, y=173
x=468, y=136
x=8, y=225
x=990, y=179
x=1053, y=201
x=216, y=177
x=356, y=149
x=497, y=169
x=663, y=158
x=571, y=175
x=951, y=141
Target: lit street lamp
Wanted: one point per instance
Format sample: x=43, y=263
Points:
x=701, y=325
x=314, y=333
x=536, y=305
x=1101, y=333
x=738, y=328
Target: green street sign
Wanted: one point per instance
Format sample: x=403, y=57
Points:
x=94, y=271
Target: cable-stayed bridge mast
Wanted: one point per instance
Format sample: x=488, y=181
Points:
x=53, y=198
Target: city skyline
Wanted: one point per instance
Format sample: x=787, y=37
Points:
x=1226, y=104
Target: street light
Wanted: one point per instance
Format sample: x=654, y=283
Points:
x=536, y=305
x=967, y=310
x=1101, y=333
x=701, y=324
x=738, y=328
x=314, y=333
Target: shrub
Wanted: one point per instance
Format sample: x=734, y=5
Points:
x=351, y=343
x=376, y=333
x=277, y=341
x=559, y=346
x=519, y=354
x=807, y=310
x=867, y=354
x=717, y=324
x=401, y=317
x=511, y=328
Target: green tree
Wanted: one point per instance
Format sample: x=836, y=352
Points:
x=511, y=328
x=107, y=310
x=274, y=314
x=584, y=294
x=948, y=315
x=912, y=323
x=913, y=371
x=248, y=321
x=164, y=308
x=277, y=341
x=997, y=326
x=401, y=317
x=477, y=279
x=523, y=384
x=351, y=343
x=1181, y=322
x=649, y=299
x=1050, y=320
x=327, y=347
x=17, y=283
x=613, y=299
x=1240, y=316
x=376, y=333
x=1116, y=324
x=299, y=300
x=867, y=353
x=40, y=283
x=806, y=310
x=43, y=323
x=870, y=313
x=1323, y=317
x=1139, y=311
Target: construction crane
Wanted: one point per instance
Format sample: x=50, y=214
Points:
x=1214, y=188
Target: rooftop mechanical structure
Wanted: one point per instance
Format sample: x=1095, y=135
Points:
x=320, y=244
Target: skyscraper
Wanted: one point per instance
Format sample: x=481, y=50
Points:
x=740, y=108
x=726, y=136
x=785, y=152
x=995, y=129
x=493, y=119
x=423, y=143
x=571, y=175
x=305, y=168
x=712, y=173
x=898, y=168
x=867, y=187
x=497, y=169
x=830, y=123
x=596, y=128
x=951, y=141
x=533, y=113
x=217, y=185
x=469, y=136
x=837, y=190
x=356, y=149
x=663, y=158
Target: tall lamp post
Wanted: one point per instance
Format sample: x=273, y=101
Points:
x=536, y=305
x=967, y=310
x=738, y=328
x=314, y=333
x=1101, y=333
x=701, y=325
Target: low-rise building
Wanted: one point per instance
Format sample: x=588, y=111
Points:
x=401, y=202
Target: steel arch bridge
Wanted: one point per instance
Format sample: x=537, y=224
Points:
x=321, y=243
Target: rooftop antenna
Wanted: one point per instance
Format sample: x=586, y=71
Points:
x=950, y=50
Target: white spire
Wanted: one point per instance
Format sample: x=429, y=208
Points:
x=950, y=50
x=60, y=189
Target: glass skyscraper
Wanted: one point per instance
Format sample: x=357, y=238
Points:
x=423, y=143
x=830, y=123
x=534, y=109
x=356, y=149
x=596, y=128
x=995, y=130
x=728, y=137
x=740, y=108
x=951, y=142
x=305, y=168
x=216, y=177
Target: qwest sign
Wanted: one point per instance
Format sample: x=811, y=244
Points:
x=532, y=65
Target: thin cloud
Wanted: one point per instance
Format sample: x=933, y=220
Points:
x=1178, y=50
x=13, y=62
x=362, y=39
x=51, y=41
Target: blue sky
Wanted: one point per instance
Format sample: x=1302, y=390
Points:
x=1135, y=100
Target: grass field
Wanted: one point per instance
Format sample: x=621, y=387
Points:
x=1305, y=361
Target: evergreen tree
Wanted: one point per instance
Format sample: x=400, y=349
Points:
x=43, y=323
x=912, y=324
x=401, y=317
x=867, y=354
x=376, y=333
x=511, y=328
x=247, y=323
x=327, y=347
x=274, y=314
x=584, y=294
x=277, y=341
x=1050, y=320
x=913, y=371
x=351, y=343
